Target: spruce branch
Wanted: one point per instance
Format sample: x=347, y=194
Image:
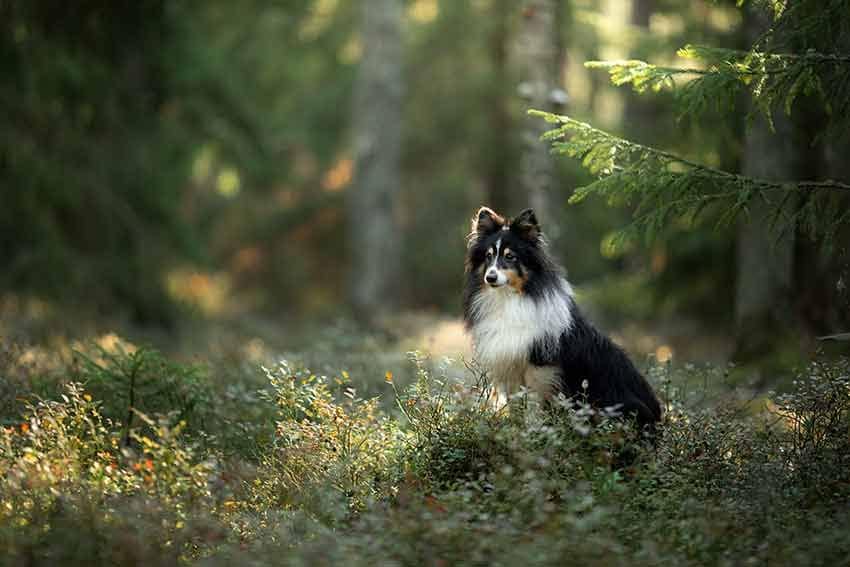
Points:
x=666, y=187
x=583, y=132
x=772, y=79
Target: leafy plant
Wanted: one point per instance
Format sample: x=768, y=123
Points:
x=326, y=437
x=64, y=462
x=132, y=380
x=454, y=475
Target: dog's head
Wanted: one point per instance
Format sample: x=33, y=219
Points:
x=505, y=252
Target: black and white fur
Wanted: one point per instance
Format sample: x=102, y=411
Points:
x=527, y=330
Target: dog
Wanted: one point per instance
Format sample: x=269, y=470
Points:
x=527, y=330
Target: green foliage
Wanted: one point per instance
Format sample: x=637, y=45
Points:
x=817, y=417
x=130, y=381
x=453, y=477
x=66, y=478
x=89, y=158
x=453, y=429
x=773, y=80
x=666, y=188
x=793, y=60
x=802, y=54
x=322, y=442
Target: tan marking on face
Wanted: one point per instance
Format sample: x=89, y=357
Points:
x=516, y=281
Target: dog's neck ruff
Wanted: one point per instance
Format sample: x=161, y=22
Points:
x=507, y=324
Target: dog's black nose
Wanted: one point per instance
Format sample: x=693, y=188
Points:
x=491, y=277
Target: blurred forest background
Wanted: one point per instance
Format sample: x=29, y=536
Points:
x=231, y=234
x=166, y=166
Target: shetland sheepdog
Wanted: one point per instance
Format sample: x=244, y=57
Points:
x=527, y=330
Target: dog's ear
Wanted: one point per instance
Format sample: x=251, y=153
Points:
x=486, y=221
x=525, y=225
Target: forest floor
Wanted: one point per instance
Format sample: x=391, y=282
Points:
x=215, y=445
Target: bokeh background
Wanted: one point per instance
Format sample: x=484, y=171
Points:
x=247, y=175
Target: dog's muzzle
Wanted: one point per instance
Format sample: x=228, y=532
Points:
x=495, y=278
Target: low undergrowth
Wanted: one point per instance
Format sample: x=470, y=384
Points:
x=314, y=473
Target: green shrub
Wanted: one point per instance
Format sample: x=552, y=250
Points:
x=450, y=477
x=128, y=380
x=64, y=463
x=326, y=438
x=815, y=418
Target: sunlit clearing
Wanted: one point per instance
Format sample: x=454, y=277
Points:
x=664, y=353
x=209, y=293
x=338, y=177
x=443, y=338
x=423, y=11
x=228, y=183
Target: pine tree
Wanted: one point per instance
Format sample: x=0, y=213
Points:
x=666, y=185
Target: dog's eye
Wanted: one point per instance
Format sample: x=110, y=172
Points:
x=509, y=255
x=489, y=255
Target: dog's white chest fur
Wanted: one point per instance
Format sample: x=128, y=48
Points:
x=506, y=326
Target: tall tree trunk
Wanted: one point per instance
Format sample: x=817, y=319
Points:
x=373, y=234
x=539, y=59
x=765, y=262
x=498, y=158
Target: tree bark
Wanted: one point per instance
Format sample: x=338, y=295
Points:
x=373, y=230
x=539, y=58
x=765, y=261
x=498, y=158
